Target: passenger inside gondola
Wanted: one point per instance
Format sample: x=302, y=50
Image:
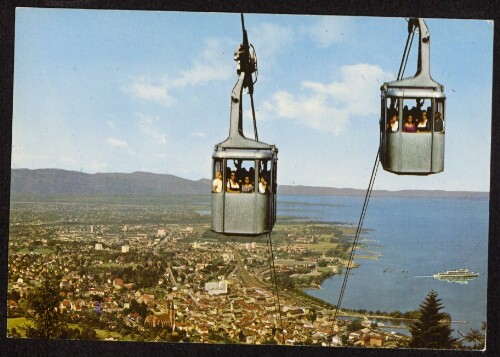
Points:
x=409, y=126
x=438, y=123
x=232, y=184
x=424, y=124
x=217, y=182
x=263, y=188
x=393, y=124
x=247, y=186
x=392, y=115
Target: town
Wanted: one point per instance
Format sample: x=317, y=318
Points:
x=155, y=272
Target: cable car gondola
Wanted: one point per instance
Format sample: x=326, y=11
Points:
x=412, y=133
x=240, y=162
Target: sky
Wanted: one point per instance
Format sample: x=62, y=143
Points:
x=124, y=91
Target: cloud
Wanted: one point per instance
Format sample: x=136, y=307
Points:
x=197, y=134
x=151, y=90
x=210, y=65
x=327, y=30
x=330, y=106
x=120, y=144
x=146, y=124
x=269, y=40
x=117, y=143
x=311, y=109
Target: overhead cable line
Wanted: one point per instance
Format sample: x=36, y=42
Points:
x=272, y=271
x=402, y=67
x=356, y=237
x=406, y=54
x=251, y=93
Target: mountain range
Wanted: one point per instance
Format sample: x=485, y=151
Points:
x=58, y=181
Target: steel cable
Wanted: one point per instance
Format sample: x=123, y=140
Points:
x=356, y=237
x=272, y=271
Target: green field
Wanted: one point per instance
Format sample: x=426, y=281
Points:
x=16, y=322
x=42, y=250
x=321, y=246
x=103, y=334
x=19, y=322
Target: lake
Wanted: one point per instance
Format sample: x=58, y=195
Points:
x=418, y=237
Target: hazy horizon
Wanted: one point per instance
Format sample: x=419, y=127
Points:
x=206, y=178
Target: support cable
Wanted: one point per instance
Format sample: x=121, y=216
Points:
x=406, y=55
x=254, y=120
x=402, y=67
x=250, y=89
x=356, y=237
x=272, y=271
x=470, y=253
x=400, y=75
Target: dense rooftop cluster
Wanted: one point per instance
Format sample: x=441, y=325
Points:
x=172, y=282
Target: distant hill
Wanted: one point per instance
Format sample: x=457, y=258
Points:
x=331, y=191
x=45, y=181
x=56, y=181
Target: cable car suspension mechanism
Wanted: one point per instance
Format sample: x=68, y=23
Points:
x=247, y=63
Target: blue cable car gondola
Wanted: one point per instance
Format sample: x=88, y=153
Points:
x=244, y=170
x=412, y=133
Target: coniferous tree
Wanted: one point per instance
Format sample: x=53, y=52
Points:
x=429, y=331
x=46, y=322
